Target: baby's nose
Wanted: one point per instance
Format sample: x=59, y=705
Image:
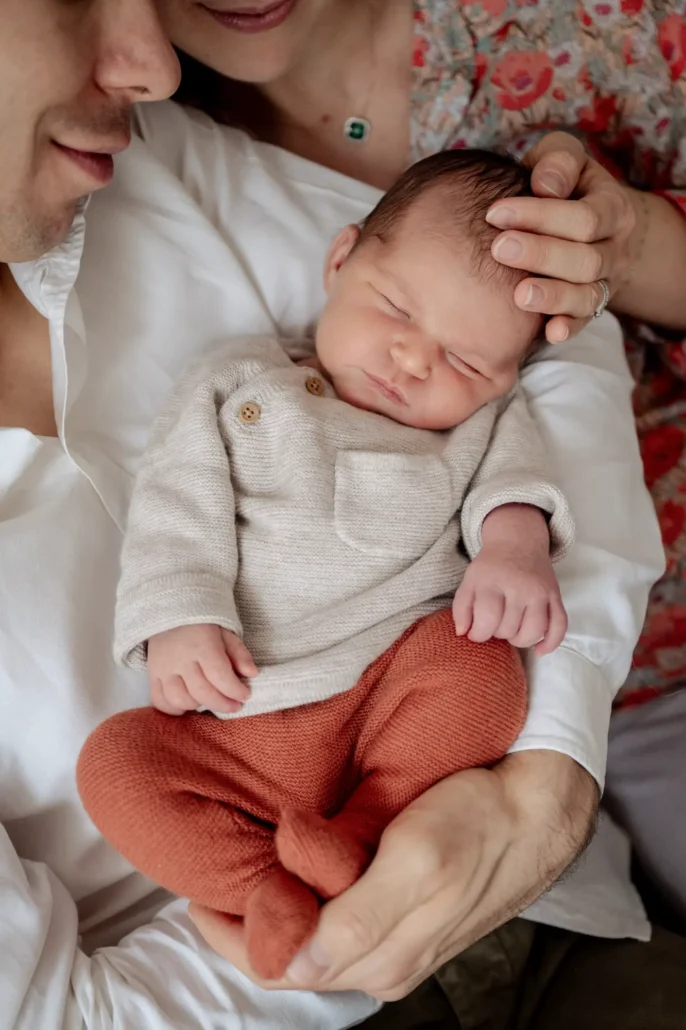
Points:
x=413, y=357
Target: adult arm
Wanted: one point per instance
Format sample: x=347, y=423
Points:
x=161, y=977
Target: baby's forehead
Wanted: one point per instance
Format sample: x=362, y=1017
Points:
x=456, y=292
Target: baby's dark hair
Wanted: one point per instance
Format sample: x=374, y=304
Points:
x=469, y=182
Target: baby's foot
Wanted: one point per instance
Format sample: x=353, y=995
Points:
x=281, y=915
x=322, y=852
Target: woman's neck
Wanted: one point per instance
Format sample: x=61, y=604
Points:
x=339, y=59
x=358, y=65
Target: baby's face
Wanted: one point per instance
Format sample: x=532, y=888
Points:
x=410, y=332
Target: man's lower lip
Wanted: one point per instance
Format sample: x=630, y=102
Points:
x=243, y=21
x=99, y=167
x=386, y=391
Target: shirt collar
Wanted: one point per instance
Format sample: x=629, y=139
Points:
x=47, y=282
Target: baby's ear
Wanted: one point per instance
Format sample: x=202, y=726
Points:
x=339, y=251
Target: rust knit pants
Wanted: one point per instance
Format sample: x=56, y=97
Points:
x=265, y=816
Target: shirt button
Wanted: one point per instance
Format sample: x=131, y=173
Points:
x=249, y=412
x=315, y=386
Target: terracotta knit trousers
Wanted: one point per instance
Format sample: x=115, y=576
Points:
x=266, y=816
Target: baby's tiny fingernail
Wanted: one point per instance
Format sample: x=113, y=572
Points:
x=309, y=966
x=501, y=217
x=534, y=297
x=553, y=183
x=507, y=248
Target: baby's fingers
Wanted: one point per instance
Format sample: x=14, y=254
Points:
x=173, y=695
x=557, y=628
x=463, y=610
x=206, y=694
x=241, y=659
x=489, y=606
x=534, y=625
x=218, y=669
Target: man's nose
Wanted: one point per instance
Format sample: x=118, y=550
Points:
x=413, y=357
x=136, y=61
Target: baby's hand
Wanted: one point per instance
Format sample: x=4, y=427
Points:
x=198, y=666
x=510, y=590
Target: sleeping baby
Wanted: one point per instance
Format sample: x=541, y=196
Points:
x=329, y=567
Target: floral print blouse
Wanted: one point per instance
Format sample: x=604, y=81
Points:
x=499, y=74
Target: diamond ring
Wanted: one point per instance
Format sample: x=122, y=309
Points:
x=605, y=300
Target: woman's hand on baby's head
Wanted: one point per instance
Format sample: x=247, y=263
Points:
x=202, y=666
x=510, y=590
x=568, y=244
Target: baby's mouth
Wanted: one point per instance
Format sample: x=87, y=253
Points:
x=391, y=393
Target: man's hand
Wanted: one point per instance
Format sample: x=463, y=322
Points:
x=510, y=590
x=198, y=666
x=468, y=855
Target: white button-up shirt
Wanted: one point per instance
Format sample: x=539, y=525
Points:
x=203, y=236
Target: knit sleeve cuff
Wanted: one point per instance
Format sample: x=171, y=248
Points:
x=517, y=489
x=166, y=604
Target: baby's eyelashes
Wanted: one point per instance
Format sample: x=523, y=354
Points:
x=394, y=307
x=462, y=366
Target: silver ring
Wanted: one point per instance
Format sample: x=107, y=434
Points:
x=606, y=298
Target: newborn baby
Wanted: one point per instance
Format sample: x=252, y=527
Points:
x=296, y=537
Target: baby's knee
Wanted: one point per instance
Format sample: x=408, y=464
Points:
x=115, y=759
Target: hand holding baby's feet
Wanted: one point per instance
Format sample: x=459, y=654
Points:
x=202, y=666
x=511, y=596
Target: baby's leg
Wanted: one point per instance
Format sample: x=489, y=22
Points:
x=439, y=704
x=165, y=793
x=180, y=802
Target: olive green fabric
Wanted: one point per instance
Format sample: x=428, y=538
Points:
x=528, y=977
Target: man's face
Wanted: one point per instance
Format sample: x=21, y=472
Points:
x=70, y=71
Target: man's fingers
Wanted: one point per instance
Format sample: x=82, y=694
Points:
x=558, y=161
x=595, y=217
x=354, y=925
x=554, y=258
x=555, y=297
x=226, y=936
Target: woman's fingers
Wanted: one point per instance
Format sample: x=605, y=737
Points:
x=555, y=297
x=554, y=258
x=558, y=161
x=597, y=217
x=561, y=328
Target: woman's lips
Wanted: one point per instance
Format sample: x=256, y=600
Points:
x=391, y=393
x=247, y=20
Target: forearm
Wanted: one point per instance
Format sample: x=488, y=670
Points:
x=655, y=288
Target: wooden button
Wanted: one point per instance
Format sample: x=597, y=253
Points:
x=314, y=386
x=249, y=412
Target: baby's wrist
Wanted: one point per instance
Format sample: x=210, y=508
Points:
x=521, y=525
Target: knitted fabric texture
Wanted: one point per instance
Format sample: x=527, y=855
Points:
x=316, y=531
x=264, y=817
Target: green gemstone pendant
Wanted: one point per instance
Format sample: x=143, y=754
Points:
x=357, y=129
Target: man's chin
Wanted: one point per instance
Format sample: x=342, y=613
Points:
x=30, y=237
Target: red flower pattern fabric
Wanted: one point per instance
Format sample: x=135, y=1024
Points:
x=500, y=73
